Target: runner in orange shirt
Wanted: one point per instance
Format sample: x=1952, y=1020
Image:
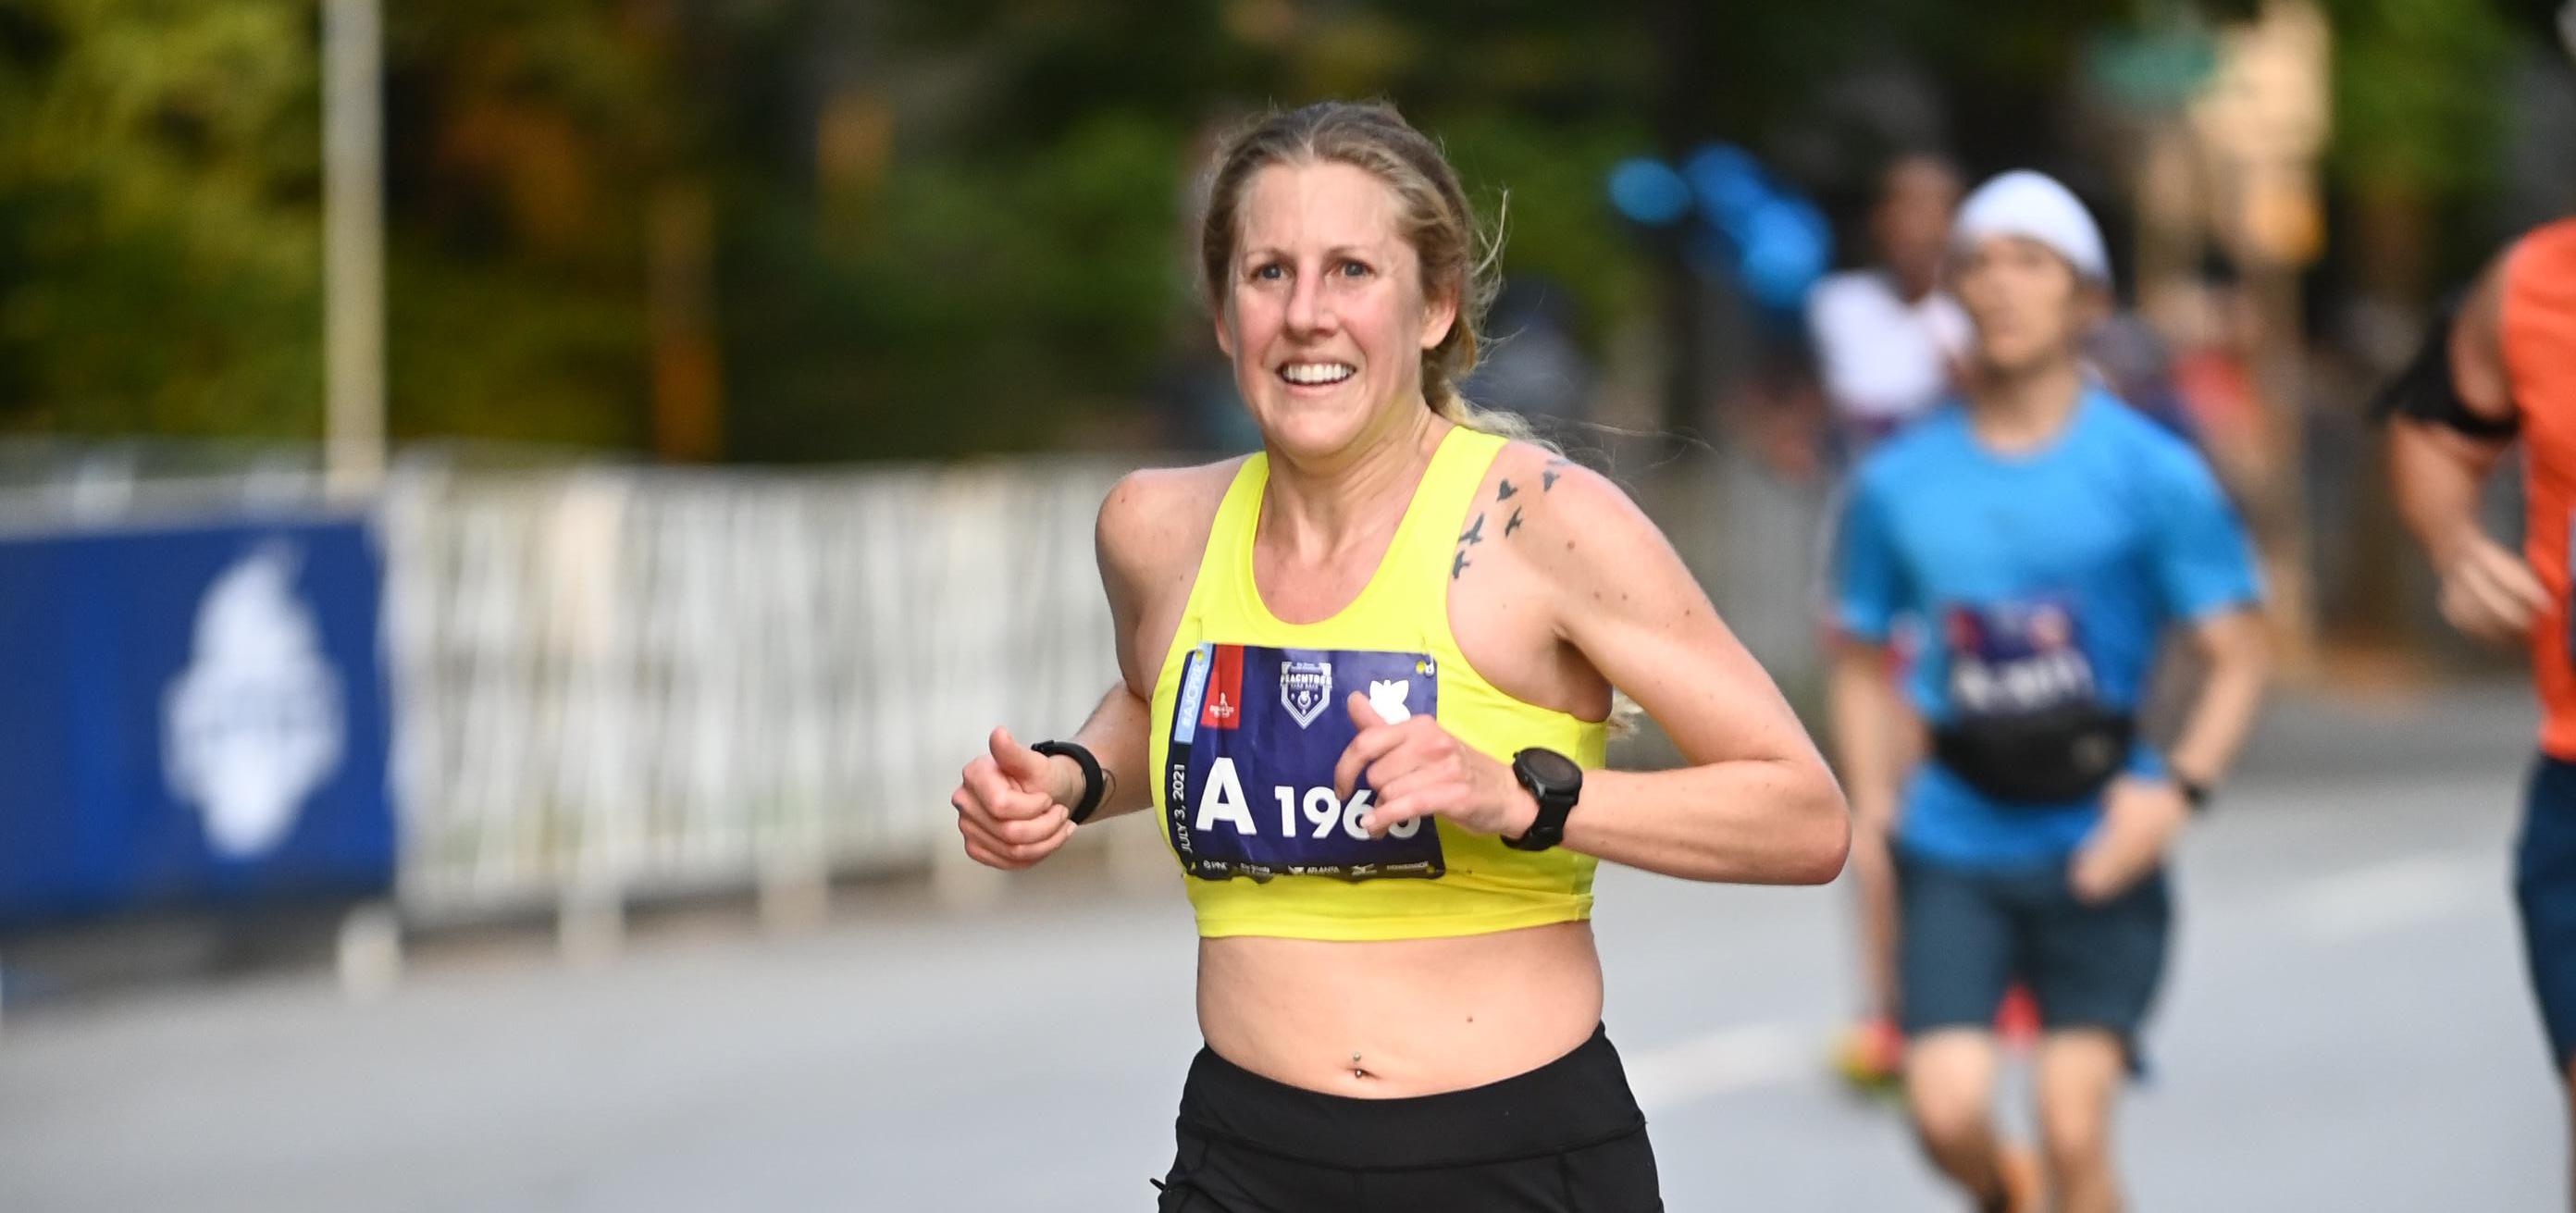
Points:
x=2504, y=366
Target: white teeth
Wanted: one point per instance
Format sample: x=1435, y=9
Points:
x=1316, y=373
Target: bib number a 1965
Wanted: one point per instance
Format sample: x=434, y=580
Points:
x=1256, y=733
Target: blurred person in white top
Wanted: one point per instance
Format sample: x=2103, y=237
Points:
x=1890, y=344
x=1888, y=340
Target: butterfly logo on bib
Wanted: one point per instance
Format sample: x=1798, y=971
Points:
x=2015, y=658
x=1256, y=733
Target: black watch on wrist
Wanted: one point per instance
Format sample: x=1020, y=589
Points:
x=2194, y=793
x=1555, y=782
x=1094, y=783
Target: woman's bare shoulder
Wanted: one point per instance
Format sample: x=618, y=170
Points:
x=1552, y=507
x=1154, y=524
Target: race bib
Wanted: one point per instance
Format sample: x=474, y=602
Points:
x=1249, y=777
x=2015, y=659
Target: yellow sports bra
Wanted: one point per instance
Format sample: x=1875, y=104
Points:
x=1249, y=720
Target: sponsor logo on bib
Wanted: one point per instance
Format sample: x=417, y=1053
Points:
x=1305, y=687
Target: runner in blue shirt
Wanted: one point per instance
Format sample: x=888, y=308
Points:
x=2040, y=538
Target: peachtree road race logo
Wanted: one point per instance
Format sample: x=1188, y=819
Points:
x=1305, y=687
x=254, y=724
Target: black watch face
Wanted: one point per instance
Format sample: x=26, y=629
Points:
x=1551, y=768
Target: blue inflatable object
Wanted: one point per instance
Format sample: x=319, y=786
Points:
x=1646, y=190
x=1769, y=241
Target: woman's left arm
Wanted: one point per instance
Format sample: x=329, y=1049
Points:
x=1758, y=806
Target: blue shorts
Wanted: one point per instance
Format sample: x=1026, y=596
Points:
x=2544, y=886
x=1966, y=935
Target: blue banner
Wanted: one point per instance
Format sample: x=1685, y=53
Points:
x=191, y=715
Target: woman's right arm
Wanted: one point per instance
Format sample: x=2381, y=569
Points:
x=1115, y=735
x=1014, y=804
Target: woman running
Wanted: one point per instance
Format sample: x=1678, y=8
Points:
x=1367, y=672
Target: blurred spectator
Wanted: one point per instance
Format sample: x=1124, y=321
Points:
x=1192, y=387
x=2213, y=328
x=1535, y=367
x=1888, y=340
x=1890, y=344
x=2134, y=364
x=1202, y=412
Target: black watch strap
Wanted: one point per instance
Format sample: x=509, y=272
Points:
x=1094, y=785
x=2194, y=793
x=1555, y=782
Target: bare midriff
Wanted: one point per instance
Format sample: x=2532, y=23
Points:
x=1384, y=1019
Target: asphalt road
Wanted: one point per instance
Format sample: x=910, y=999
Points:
x=2345, y=1028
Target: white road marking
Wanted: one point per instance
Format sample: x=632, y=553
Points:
x=1722, y=1062
x=2391, y=896
x=2339, y=908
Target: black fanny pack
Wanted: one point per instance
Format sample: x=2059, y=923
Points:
x=2050, y=757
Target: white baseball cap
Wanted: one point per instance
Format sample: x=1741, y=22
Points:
x=2034, y=206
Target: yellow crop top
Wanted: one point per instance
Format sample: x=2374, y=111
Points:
x=1249, y=720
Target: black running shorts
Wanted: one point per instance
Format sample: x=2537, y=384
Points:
x=1562, y=1138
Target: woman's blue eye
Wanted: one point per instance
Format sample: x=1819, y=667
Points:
x=1353, y=269
x=1270, y=272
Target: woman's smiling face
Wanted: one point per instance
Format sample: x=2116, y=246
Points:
x=1325, y=316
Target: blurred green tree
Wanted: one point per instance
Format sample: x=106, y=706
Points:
x=159, y=218
x=834, y=229
x=2415, y=96
x=2418, y=121
x=526, y=143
